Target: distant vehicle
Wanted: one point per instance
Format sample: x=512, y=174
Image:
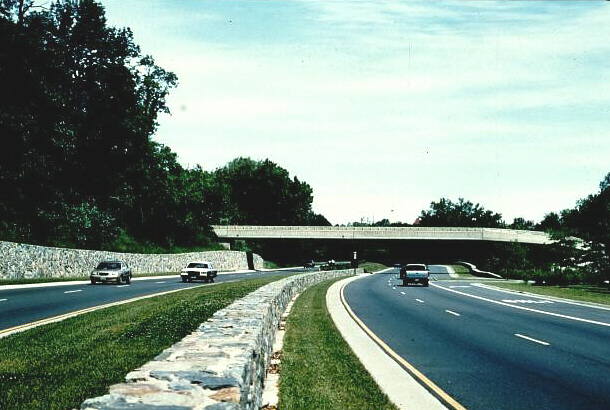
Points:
x=309, y=264
x=397, y=265
x=415, y=273
x=199, y=270
x=111, y=271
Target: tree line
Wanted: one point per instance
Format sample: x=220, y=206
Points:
x=78, y=110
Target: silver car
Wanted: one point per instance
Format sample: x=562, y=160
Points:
x=111, y=271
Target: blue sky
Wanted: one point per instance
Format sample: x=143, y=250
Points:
x=383, y=107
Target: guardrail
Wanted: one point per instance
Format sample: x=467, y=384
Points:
x=379, y=233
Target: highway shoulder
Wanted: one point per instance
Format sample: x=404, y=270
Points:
x=401, y=388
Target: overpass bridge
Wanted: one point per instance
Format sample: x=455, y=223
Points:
x=381, y=233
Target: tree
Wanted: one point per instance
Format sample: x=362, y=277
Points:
x=520, y=223
x=459, y=214
x=262, y=193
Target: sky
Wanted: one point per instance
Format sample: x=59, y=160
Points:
x=383, y=107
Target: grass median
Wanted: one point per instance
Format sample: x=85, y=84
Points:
x=319, y=370
x=59, y=365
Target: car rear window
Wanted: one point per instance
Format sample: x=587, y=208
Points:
x=109, y=265
x=415, y=267
x=197, y=265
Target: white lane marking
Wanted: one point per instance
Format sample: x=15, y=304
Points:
x=403, y=293
x=532, y=339
x=73, y=291
x=160, y=282
x=393, y=288
x=122, y=286
x=419, y=300
x=525, y=301
x=579, y=319
x=531, y=295
x=3, y=300
x=451, y=312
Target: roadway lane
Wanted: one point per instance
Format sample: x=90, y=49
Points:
x=30, y=304
x=490, y=349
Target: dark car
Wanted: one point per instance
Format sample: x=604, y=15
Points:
x=111, y=271
x=309, y=264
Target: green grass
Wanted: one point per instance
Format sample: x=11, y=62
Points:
x=318, y=369
x=371, y=267
x=585, y=293
x=59, y=365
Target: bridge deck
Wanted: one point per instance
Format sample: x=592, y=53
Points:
x=402, y=233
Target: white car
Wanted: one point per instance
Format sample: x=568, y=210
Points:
x=111, y=271
x=203, y=270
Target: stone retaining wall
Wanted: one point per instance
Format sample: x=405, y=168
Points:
x=31, y=261
x=220, y=366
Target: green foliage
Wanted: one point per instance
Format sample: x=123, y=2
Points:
x=459, y=214
x=78, y=109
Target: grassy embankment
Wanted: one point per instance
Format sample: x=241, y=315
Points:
x=319, y=370
x=59, y=365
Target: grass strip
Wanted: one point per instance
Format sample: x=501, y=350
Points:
x=59, y=365
x=319, y=370
x=585, y=293
x=371, y=267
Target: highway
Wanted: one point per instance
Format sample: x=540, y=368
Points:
x=31, y=303
x=490, y=349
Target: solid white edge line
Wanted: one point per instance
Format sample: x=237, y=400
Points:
x=451, y=312
x=73, y=291
x=578, y=319
x=534, y=295
x=532, y=339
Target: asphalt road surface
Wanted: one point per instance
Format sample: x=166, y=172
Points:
x=490, y=349
x=30, y=304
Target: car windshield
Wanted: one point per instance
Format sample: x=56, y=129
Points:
x=109, y=265
x=197, y=265
x=415, y=267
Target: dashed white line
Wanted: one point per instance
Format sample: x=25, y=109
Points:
x=595, y=322
x=160, y=282
x=532, y=339
x=3, y=300
x=122, y=286
x=394, y=288
x=451, y=312
x=73, y=291
x=419, y=300
x=403, y=293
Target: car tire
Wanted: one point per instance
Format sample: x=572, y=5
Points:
x=93, y=281
x=128, y=279
x=119, y=280
x=212, y=280
x=184, y=279
x=426, y=284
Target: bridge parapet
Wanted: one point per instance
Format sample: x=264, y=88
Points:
x=381, y=232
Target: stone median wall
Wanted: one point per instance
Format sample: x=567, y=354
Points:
x=31, y=261
x=220, y=366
